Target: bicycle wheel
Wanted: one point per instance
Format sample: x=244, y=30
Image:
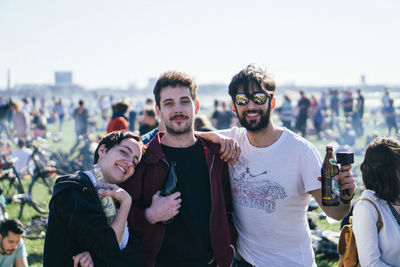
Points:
x=36, y=228
x=40, y=191
x=11, y=188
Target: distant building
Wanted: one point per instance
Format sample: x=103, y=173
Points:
x=63, y=77
x=362, y=78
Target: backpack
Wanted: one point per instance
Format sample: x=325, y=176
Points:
x=347, y=247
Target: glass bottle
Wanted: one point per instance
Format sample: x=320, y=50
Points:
x=330, y=188
x=170, y=186
x=107, y=203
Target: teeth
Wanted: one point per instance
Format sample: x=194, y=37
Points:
x=252, y=114
x=122, y=169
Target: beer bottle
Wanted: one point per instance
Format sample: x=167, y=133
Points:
x=107, y=203
x=330, y=188
x=170, y=186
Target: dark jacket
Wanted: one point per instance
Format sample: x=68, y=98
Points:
x=149, y=177
x=77, y=223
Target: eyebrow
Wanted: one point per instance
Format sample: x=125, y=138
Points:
x=127, y=147
x=171, y=99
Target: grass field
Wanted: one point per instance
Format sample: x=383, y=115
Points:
x=35, y=247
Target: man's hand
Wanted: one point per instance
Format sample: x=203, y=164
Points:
x=84, y=259
x=115, y=192
x=346, y=181
x=230, y=149
x=163, y=208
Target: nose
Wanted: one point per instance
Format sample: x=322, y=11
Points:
x=178, y=108
x=251, y=104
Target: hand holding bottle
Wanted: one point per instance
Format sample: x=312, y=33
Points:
x=114, y=191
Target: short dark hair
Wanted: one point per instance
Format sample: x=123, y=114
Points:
x=121, y=107
x=381, y=168
x=149, y=111
x=21, y=142
x=115, y=138
x=81, y=102
x=252, y=76
x=13, y=225
x=173, y=79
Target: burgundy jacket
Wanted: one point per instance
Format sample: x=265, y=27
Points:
x=149, y=177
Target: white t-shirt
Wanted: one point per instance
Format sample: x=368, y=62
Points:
x=270, y=188
x=23, y=155
x=125, y=236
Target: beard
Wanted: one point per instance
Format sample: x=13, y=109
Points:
x=169, y=128
x=6, y=251
x=252, y=125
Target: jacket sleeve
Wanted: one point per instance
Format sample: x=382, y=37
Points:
x=86, y=222
x=137, y=220
x=228, y=203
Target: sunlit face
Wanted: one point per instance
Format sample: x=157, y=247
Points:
x=252, y=116
x=9, y=243
x=177, y=109
x=118, y=163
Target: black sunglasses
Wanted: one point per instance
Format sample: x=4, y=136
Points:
x=259, y=98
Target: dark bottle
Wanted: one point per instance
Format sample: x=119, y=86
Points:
x=330, y=188
x=170, y=186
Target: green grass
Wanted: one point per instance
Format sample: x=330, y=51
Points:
x=35, y=247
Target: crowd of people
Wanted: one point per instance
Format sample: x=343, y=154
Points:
x=243, y=181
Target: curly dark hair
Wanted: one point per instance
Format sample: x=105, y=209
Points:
x=174, y=78
x=381, y=168
x=252, y=76
x=115, y=138
x=13, y=225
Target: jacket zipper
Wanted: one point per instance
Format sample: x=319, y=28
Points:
x=212, y=204
x=162, y=239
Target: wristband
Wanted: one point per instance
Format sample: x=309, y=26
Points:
x=346, y=201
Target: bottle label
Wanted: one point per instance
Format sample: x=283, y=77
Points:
x=333, y=161
x=108, y=206
x=335, y=188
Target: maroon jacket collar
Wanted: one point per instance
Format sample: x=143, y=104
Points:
x=154, y=150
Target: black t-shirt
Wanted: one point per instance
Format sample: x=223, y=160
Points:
x=187, y=239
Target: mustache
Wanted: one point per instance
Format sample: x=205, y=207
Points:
x=179, y=117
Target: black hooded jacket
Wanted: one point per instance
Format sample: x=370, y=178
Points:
x=77, y=223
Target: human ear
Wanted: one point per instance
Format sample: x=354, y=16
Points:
x=101, y=151
x=197, y=106
x=273, y=102
x=233, y=108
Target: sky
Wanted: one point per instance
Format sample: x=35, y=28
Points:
x=124, y=42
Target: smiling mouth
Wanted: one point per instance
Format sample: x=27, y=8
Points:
x=179, y=118
x=121, y=168
x=253, y=114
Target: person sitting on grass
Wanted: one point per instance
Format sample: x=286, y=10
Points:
x=12, y=249
x=77, y=222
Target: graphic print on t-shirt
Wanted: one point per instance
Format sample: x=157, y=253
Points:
x=253, y=189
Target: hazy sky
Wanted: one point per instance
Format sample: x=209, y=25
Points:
x=115, y=43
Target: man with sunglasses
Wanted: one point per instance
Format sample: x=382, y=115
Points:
x=273, y=180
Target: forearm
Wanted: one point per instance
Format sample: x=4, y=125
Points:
x=337, y=212
x=118, y=225
x=21, y=262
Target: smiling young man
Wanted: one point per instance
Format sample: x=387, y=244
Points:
x=76, y=217
x=273, y=180
x=202, y=232
x=12, y=247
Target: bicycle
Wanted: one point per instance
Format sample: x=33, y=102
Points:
x=43, y=173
